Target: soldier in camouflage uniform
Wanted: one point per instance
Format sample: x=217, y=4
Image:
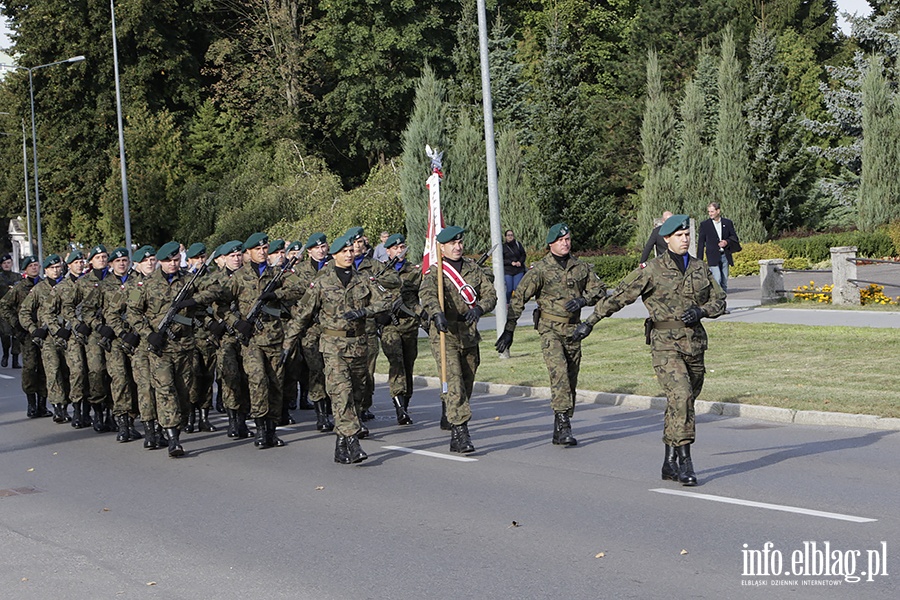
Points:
x=8, y=278
x=123, y=388
x=562, y=285
x=678, y=290
x=30, y=320
x=342, y=300
x=400, y=333
x=458, y=321
x=33, y=383
x=204, y=361
x=296, y=371
x=293, y=365
x=55, y=344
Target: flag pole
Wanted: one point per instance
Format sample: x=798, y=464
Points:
x=436, y=221
x=440, y=287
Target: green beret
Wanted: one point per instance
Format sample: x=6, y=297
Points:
x=675, y=223
x=118, y=253
x=316, y=239
x=276, y=246
x=73, y=256
x=232, y=247
x=354, y=233
x=395, y=239
x=27, y=260
x=448, y=234
x=168, y=250
x=298, y=245
x=256, y=240
x=143, y=253
x=194, y=250
x=51, y=260
x=339, y=244
x=556, y=232
x=98, y=249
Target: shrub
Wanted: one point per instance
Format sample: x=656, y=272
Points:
x=611, y=269
x=817, y=248
x=746, y=262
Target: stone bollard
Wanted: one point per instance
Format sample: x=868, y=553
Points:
x=842, y=271
x=771, y=280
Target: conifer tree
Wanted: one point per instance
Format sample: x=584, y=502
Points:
x=694, y=156
x=518, y=210
x=466, y=200
x=878, y=188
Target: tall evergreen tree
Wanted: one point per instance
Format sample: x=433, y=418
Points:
x=694, y=156
x=732, y=164
x=466, y=200
x=427, y=125
x=879, y=201
x=658, y=143
x=518, y=210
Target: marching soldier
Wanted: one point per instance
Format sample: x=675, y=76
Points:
x=562, y=285
x=468, y=294
x=55, y=345
x=400, y=335
x=342, y=300
x=10, y=343
x=678, y=290
x=76, y=361
x=30, y=319
x=296, y=371
x=294, y=364
x=204, y=361
x=33, y=382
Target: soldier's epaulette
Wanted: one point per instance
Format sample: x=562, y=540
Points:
x=631, y=277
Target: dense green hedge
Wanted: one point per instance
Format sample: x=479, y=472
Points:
x=817, y=248
x=612, y=269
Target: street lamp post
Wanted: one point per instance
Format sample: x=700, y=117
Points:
x=126, y=214
x=37, y=192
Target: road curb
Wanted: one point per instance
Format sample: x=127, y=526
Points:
x=725, y=409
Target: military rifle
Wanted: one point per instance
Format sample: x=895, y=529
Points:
x=256, y=309
x=483, y=258
x=165, y=326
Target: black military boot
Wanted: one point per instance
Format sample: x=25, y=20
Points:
x=109, y=419
x=685, y=466
x=97, y=419
x=242, y=429
x=366, y=415
x=303, y=402
x=78, y=421
x=57, y=414
x=175, y=449
x=402, y=415
x=322, y=423
x=562, y=431
x=150, y=441
x=204, y=424
x=445, y=424
x=15, y=364
x=219, y=402
x=232, y=423
x=271, y=439
x=329, y=412
x=460, y=440
x=162, y=436
x=363, y=432
x=341, y=453
x=122, y=435
x=32, y=405
x=355, y=450
x=132, y=430
x=670, y=464
x=261, y=442
x=5, y=361
x=41, y=408
x=286, y=417
x=86, y=418
x=192, y=420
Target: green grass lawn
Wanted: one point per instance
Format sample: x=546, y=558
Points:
x=840, y=369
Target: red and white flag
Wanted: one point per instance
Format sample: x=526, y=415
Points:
x=435, y=216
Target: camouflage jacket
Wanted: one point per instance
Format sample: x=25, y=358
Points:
x=388, y=282
x=553, y=286
x=29, y=310
x=245, y=286
x=10, y=303
x=407, y=317
x=667, y=293
x=115, y=300
x=91, y=305
x=455, y=307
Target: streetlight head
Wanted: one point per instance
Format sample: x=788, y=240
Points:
x=75, y=59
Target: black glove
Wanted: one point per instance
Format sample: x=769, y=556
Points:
x=217, y=328
x=383, y=318
x=440, y=322
x=63, y=334
x=40, y=333
x=582, y=330
x=504, y=341
x=83, y=328
x=575, y=304
x=156, y=341
x=186, y=303
x=131, y=339
x=268, y=296
x=355, y=315
x=245, y=328
x=107, y=332
x=692, y=315
x=473, y=314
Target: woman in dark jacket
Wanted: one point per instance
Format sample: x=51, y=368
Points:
x=513, y=263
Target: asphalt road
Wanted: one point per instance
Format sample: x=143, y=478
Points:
x=96, y=519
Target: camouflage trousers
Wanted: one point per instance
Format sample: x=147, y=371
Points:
x=401, y=350
x=681, y=377
x=54, y=359
x=33, y=380
x=98, y=378
x=345, y=381
x=204, y=365
x=121, y=381
x=315, y=365
x=265, y=379
x=171, y=375
x=232, y=377
x=76, y=362
x=146, y=395
x=563, y=359
x=461, y=366
x=371, y=357
x=8, y=339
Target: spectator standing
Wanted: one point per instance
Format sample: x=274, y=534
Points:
x=719, y=240
x=513, y=263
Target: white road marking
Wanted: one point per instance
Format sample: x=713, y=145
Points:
x=6, y=377
x=431, y=454
x=791, y=509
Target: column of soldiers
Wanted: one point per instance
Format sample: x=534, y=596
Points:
x=119, y=340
